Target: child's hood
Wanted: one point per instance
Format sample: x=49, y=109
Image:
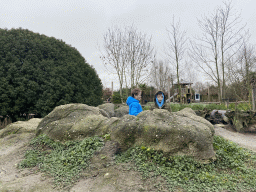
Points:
x=131, y=100
x=161, y=104
x=161, y=93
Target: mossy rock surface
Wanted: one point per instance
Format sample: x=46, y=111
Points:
x=20, y=127
x=63, y=122
x=109, y=108
x=180, y=133
x=121, y=111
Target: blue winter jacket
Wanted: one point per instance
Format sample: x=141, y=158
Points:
x=134, y=106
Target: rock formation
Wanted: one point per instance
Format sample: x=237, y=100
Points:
x=180, y=133
x=20, y=127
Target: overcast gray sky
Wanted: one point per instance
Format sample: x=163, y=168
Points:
x=82, y=23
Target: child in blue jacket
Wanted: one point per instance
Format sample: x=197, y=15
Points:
x=134, y=102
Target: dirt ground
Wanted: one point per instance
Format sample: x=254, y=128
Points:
x=103, y=177
x=96, y=179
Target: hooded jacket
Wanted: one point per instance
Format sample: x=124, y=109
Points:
x=134, y=106
x=161, y=105
x=158, y=104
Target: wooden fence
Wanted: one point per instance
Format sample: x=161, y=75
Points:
x=7, y=120
x=4, y=121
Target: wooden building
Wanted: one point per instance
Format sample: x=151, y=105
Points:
x=186, y=91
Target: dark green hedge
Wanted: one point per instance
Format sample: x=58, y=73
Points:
x=38, y=73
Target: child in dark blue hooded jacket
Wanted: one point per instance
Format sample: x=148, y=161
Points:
x=134, y=102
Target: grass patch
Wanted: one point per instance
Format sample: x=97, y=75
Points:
x=240, y=106
x=146, y=107
x=62, y=161
x=197, y=106
x=233, y=170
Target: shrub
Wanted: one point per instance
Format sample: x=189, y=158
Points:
x=147, y=107
x=38, y=73
x=116, y=98
x=62, y=161
x=217, y=107
x=197, y=106
x=233, y=170
x=240, y=106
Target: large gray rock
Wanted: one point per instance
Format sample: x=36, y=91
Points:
x=180, y=133
x=109, y=108
x=65, y=121
x=121, y=111
x=20, y=127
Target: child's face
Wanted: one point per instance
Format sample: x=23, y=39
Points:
x=138, y=97
x=159, y=98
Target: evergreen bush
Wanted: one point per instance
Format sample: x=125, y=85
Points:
x=116, y=98
x=38, y=73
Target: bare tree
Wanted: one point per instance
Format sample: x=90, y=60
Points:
x=114, y=54
x=159, y=75
x=230, y=37
x=139, y=54
x=176, y=47
x=240, y=70
x=127, y=53
x=220, y=42
x=191, y=74
x=199, y=87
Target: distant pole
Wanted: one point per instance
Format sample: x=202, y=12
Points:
x=112, y=88
x=169, y=90
x=173, y=92
x=253, y=99
x=208, y=94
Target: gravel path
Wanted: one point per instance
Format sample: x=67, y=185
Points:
x=246, y=140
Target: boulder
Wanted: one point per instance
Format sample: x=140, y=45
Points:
x=181, y=133
x=243, y=121
x=188, y=112
x=121, y=111
x=65, y=121
x=109, y=108
x=20, y=127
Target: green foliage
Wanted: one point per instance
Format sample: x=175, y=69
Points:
x=38, y=73
x=217, y=107
x=177, y=107
x=197, y=106
x=63, y=161
x=233, y=170
x=240, y=106
x=146, y=107
x=116, y=98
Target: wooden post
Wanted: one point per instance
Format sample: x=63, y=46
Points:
x=112, y=88
x=169, y=94
x=253, y=99
x=173, y=92
x=208, y=94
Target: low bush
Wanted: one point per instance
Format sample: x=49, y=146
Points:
x=116, y=98
x=240, y=106
x=146, y=107
x=233, y=170
x=64, y=161
x=197, y=106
